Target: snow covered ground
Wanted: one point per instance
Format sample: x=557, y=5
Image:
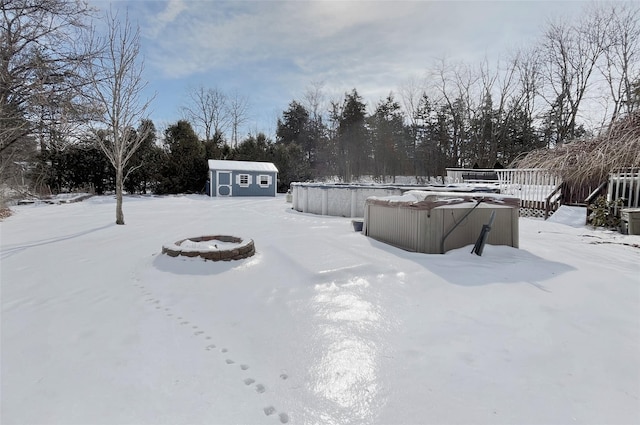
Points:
x=322, y=326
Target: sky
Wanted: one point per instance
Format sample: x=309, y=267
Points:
x=322, y=325
x=272, y=52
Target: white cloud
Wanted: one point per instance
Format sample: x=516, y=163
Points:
x=267, y=47
x=156, y=24
x=314, y=36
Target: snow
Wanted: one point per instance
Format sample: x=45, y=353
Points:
x=412, y=196
x=206, y=246
x=322, y=325
x=570, y=215
x=228, y=165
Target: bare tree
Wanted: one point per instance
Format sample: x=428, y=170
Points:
x=238, y=107
x=207, y=109
x=412, y=96
x=529, y=77
x=41, y=77
x=117, y=87
x=570, y=52
x=40, y=58
x=411, y=92
x=314, y=100
x=498, y=88
x=621, y=62
x=454, y=84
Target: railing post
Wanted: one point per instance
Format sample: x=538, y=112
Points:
x=636, y=181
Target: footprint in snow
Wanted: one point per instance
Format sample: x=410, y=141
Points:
x=260, y=388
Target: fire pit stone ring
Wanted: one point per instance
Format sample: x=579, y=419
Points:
x=214, y=248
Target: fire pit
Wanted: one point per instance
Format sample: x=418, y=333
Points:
x=214, y=248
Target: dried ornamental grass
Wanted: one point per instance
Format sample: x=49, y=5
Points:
x=590, y=160
x=4, y=213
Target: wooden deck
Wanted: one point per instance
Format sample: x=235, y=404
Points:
x=541, y=192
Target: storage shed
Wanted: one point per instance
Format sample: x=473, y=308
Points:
x=436, y=222
x=242, y=178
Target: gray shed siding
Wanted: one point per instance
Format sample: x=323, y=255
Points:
x=237, y=188
x=242, y=178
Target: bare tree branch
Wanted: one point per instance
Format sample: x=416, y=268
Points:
x=41, y=53
x=208, y=109
x=238, y=107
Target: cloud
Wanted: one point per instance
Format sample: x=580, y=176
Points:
x=272, y=50
x=313, y=36
x=156, y=24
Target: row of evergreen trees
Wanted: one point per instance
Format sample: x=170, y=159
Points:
x=350, y=145
x=462, y=115
x=177, y=163
x=388, y=143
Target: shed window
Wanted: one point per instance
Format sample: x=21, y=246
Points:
x=264, y=180
x=243, y=180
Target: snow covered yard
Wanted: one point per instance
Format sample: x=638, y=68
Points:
x=321, y=326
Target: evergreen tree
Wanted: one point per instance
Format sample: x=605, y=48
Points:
x=295, y=151
x=217, y=148
x=80, y=167
x=185, y=165
x=290, y=168
x=296, y=127
x=520, y=136
x=388, y=138
x=482, y=140
x=352, y=138
x=423, y=138
x=144, y=165
x=88, y=169
x=252, y=149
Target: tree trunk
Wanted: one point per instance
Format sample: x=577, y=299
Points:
x=119, y=186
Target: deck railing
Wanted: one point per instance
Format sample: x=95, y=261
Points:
x=624, y=184
x=538, y=189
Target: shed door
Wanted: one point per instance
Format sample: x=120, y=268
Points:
x=224, y=183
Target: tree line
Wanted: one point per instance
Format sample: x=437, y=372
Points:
x=72, y=116
x=578, y=79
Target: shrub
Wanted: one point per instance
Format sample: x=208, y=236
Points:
x=605, y=213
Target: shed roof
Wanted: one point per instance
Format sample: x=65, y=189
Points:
x=223, y=164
